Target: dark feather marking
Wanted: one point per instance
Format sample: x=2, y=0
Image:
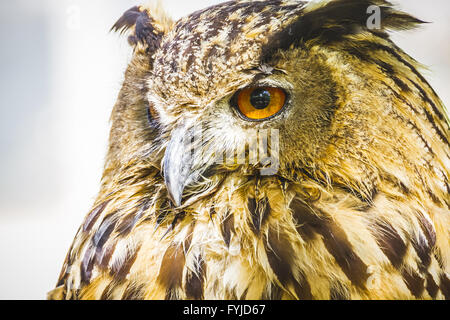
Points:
x=171, y=269
x=244, y=294
x=230, y=294
x=104, y=231
x=445, y=285
x=293, y=167
x=227, y=227
x=334, y=239
x=413, y=281
x=127, y=224
x=308, y=223
x=447, y=185
x=274, y=292
x=389, y=242
x=431, y=286
x=259, y=211
x=438, y=256
x=280, y=250
x=302, y=287
x=142, y=175
x=433, y=197
x=168, y=230
x=366, y=199
x=93, y=216
x=194, y=281
x=411, y=124
x=178, y=217
x=87, y=264
x=419, y=134
x=436, y=128
x=386, y=68
x=336, y=242
x=134, y=291
x=280, y=254
x=109, y=290
x=105, y=256
x=427, y=229
x=252, y=205
x=189, y=54
x=339, y=291
x=402, y=85
x=436, y=111
x=120, y=270
x=403, y=187
x=212, y=211
x=161, y=216
x=423, y=251
x=406, y=102
x=171, y=294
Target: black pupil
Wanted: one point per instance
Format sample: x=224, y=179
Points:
x=260, y=98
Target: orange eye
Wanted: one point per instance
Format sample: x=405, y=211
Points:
x=260, y=103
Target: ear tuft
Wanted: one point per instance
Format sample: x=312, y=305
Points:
x=127, y=20
x=146, y=31
x=336, y=18
x=328, y=21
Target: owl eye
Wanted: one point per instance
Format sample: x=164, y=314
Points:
x=260, y=103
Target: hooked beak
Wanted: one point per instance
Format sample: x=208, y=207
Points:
x=191, y=165
x=178, y=162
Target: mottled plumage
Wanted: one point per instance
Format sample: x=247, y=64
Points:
x=358, y=208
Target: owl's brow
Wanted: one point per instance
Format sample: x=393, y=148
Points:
x=259, y=75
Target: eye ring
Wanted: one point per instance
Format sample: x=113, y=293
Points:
x=259, y=103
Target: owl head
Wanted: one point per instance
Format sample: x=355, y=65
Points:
x=301, y=90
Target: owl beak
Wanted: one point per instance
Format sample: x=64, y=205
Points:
x=188, y=165
x=177, y=164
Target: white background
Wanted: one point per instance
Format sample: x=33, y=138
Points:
x=59, y=79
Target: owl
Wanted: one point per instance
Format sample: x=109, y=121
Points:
x=272, y=149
